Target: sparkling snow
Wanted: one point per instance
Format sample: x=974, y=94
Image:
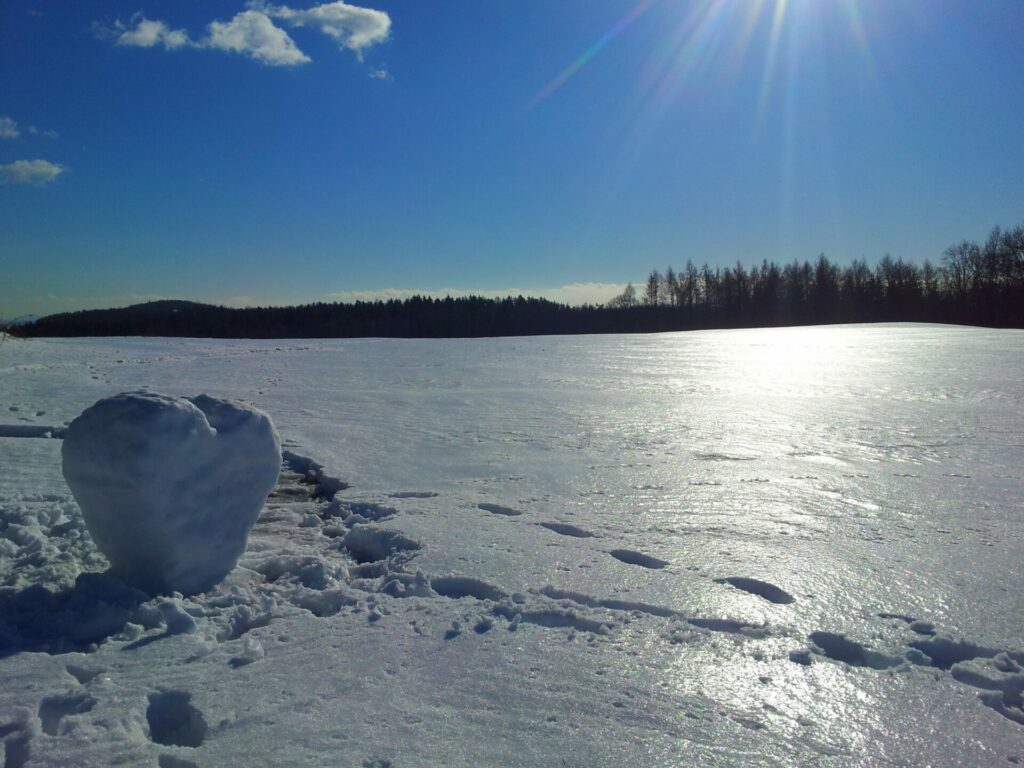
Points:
x=735, y=548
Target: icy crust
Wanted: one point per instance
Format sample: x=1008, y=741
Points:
x=520, y=575
x=324, y=574
x=169, y=488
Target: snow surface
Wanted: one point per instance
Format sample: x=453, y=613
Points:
x=738, y=548
x=170, y=487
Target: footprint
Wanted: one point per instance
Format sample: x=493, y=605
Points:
x=944, y=652
x=764, y=589
x=307, y=570
x=564, y=529
x=174, y=722
x=366, y=544
x=1001, y=682
x=53, y=709
x=456, y=587
x=352, y=512
x=312, y=472
x=728, y=626
x=631, y=557
x=16, y=740
x=497, y=509
x=840, y=648
x=328, y=602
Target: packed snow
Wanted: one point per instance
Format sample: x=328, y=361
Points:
x=736, y=548
x=169, y=488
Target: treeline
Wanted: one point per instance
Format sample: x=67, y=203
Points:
x=418, y=317
x=974, y=285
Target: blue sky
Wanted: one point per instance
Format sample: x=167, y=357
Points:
x=269, y=153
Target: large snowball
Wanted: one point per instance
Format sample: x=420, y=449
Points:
x=169, y=488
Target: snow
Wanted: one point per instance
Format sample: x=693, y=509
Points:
x=169, y=488
x=776, y=547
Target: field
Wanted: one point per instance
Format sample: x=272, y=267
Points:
x=792, y=547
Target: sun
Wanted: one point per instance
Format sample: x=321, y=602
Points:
x=715, y=38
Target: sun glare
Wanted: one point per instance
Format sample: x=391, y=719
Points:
x=715, y=38
x=764, y=56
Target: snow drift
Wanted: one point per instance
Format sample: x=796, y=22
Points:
x=169, y=488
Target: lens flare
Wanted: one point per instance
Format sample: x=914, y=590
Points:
x=693, y=55
x=713, y=38
x=588, y=55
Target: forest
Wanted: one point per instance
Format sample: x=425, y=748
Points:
x=973, y=284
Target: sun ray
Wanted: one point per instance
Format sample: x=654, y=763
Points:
x=771, y=59
x=857, y=27
x=701, y=50
x=588, y=55
x=742, y=44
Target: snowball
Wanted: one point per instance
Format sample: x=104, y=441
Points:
x=169, y=488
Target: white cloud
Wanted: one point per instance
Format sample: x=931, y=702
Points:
x=583, y=293
x=253, y=34
x=573, y=294
x=148, y=33
x=37, y=173
x=40, y=132
x=352, y=27
x=8, y=128
x=250, y=33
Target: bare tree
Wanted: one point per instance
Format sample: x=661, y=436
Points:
x=959, y=260
x=625, y=299
x=669, y=289
x=653, y=289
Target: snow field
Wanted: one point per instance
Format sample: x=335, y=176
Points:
x=629, y=614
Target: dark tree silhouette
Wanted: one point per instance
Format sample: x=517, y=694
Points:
x=975, y=284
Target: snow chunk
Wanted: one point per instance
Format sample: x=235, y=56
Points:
x=169, y=488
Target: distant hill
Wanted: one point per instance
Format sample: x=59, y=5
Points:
x=418, y=317
x=154, y=318
x=20, y=320
x=976, y=285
